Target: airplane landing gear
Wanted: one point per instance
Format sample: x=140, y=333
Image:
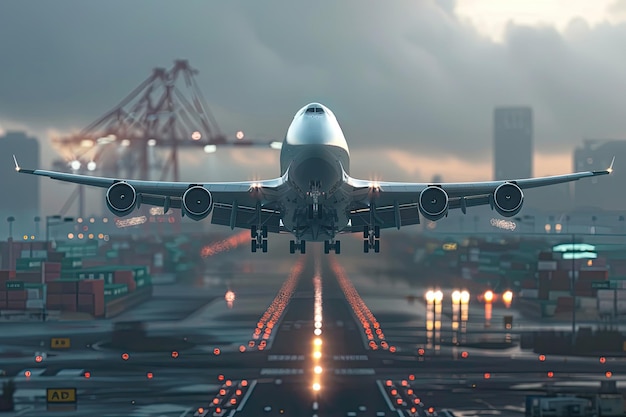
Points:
x=372, y=239
x=297, y=246
x=259, y=238
x=332, y=245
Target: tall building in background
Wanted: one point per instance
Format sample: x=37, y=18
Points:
x=605, y=193
x=19, y=193
x=513, y=142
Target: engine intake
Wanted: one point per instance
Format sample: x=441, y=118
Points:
x=433, y=203
x=197, y=202
x=508, y=199
x=121, y=198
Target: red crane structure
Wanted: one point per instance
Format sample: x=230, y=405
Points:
x=166, y=111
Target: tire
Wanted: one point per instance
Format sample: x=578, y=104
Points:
x=302, y=247
x=377, y=246
x=253, y=232
x=264, y=232
x=377, y=232
x=337, y=247
x=253, y=247
x=326, y=247
x=366, y=232
x=292, y=246
x=264, y=245
x=366, y=246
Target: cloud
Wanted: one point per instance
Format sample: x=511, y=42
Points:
x=410, y=75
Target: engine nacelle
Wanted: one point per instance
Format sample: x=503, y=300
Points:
x=121, y=198
x=508, y=199
x=197, y=202
x=433, y=203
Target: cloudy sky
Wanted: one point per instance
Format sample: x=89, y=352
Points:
x=413, y=83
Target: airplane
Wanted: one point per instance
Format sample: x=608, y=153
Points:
x=315, y=198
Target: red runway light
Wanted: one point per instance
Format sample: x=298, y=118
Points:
x=608, y=374
x=200, y=410
x=149, y=375
x=550, y=374
x=411, y=377
x=174, y=354
x=87, y=375
x=487, y=375
x=242, y=348
x=404, y=383
x=394, y=392
x=244, y=383
x=392, y=349
x=542, y=358
x=27, y=374
x=464, y=354
x=222, y=392
x=220, y=377
x=216, y=351
x=125, y=356
x=399, y=401
x=228, y=383
x=602, y=359
x=216, y=401
x=416, y=401
x=421, y=351
x=431, y=410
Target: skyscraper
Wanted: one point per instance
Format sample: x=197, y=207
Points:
x=513, y=142
x=19, y=194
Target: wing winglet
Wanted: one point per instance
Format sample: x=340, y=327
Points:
x=609, y=170
x=20, y=169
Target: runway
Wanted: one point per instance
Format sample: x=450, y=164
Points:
x=259, y=355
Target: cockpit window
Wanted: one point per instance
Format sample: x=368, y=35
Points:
x=315, y=110
x=310, y=110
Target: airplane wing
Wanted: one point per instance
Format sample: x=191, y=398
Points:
x=396, y=204
x=234, y=204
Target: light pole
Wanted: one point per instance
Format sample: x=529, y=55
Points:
x=37, y=220
x=10, y=219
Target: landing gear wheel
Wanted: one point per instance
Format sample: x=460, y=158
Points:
x=326, y=247
x=264, y=245
x=302, y=247
x=366, y=246
x=366, y=232
x=377, y=246
x=377, y=232
x=264, y=232
x=337, y=247
x=292, y=246
x=253, y=246
x=253, y=232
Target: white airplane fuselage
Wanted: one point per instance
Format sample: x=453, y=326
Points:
x=315, y=156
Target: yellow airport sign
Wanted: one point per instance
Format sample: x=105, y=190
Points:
x=61, y=395
x=59, y=342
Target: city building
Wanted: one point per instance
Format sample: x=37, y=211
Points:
x=20, y=193
x=604, y=193
x=513, y=142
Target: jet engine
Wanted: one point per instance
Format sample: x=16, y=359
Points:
x=121, y=198
x=197, y=202
x=433, y=203
x=508, y=199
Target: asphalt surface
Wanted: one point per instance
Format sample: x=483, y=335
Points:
x=176, y=371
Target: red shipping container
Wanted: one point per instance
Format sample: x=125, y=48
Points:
x=16, y=295
x=123, y=274
x=91, y=286
x=52, y=267
x=68, y=299
x=593, y=275
x=69, y=287
x=55, y=276
x=53, y=299
x=129, y=281
x=69, y=307
x=5, y=274
x=30, y=277
x=85, y=300
x=16, y=305
x=55, y=287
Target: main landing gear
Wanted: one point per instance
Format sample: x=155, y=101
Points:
x=332, y=246
x=372, y=239
x=297, y=246
x=259, y=238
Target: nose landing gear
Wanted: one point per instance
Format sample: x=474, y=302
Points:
x=259, y=238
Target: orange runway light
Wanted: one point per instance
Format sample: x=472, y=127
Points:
x=244, y=383
x=228, y=383
x=222, y=392
x=550, y=374
x=38, y=358
x=608, y=374
x=216, y=401
x=200, y=410
x=542, y=358
x=602, y=359
x=388, y=382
